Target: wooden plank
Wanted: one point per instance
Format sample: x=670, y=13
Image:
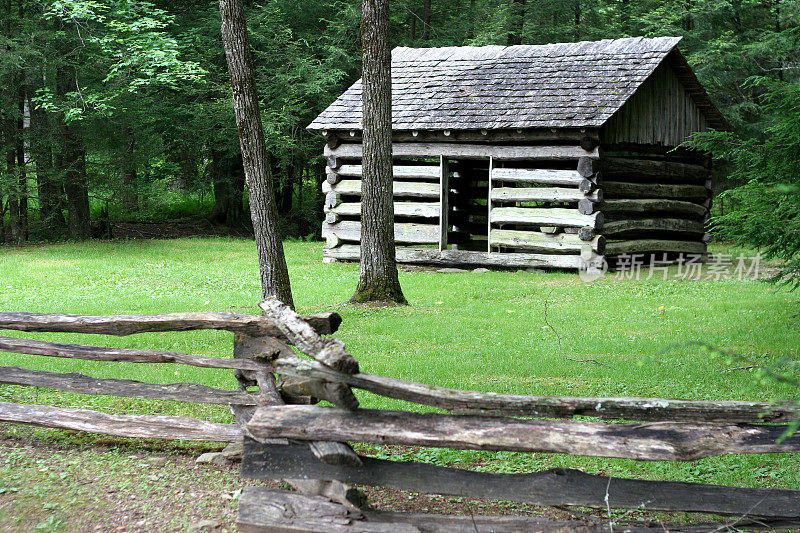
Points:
x=654, y=245
x=538, y=175
x=544, y=242
x=615, y=190
x=444, y=202
x=407, y=189
x=424, y=256
x=557, y=136
x=649, y=169
x=401, y=209
x=81, y=384
x=120, y=325
x=632, y=206
x=94, y=353
x=134, y=426
x=263, y=510
x=424, y=172
x=659, y=441
x=552, y=487
x=650, y=225
x=470, y=151
x=542, y=194
x=491, y=403
x=550, y=216
x=404, y=232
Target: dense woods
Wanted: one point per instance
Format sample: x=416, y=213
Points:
x=122, y=110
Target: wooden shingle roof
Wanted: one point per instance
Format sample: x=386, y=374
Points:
x=566, y=85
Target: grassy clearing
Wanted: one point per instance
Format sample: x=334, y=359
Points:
x=473, y=331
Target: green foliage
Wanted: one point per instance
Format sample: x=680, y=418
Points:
x=766, y=208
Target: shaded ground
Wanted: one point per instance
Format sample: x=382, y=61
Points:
x=171, y=229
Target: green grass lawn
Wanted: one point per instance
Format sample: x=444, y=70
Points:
x=467, y=330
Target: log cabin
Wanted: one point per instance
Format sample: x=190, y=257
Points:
x=547, y=156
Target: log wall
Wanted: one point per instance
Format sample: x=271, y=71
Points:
x=553, y=202
x=470, y=203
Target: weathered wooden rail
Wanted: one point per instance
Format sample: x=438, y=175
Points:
x=306, y=445
x=141, y=425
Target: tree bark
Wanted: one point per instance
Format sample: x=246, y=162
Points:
x=51, y=202
x=378, y=280
x=227, y=175
x=263, y=211
x=517, y=22
x=426, y=20
x=72, y=165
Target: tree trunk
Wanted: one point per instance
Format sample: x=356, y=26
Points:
x=130, y=196
x=227, y=175
x=263, y=211
x=426, y=20
x=13, y=197
x=51, y=194
x=517, y=22
x=378, y=280
x=20, y=148
x=72, y=165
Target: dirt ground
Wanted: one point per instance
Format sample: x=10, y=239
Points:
x=54, y=480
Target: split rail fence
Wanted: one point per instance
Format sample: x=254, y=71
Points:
x=287, y=437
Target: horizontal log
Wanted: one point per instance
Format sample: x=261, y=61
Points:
x=534, y=240
x=462, y=401
x=332, y=199
x=263, y=510
x=675, y=225
x=470, y=151
x=350, y=252
x=558, y=135
x=81, y=384
x=401, y=209
x=407, y=189
x=551, y=216
x=654, y=245
x=644, y=207
x=134, y=426
x=120, y=325
x=537, y=175
x=94, y=353
x=656, y=441
x=615, y=190
x=404, y=232
x=618, y=167
x=553, y=487
x=542, y=194
x=398, y=171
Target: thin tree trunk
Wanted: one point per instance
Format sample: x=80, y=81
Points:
x=517, y=22
x=378, y=280
x=50, y=192
x=426, y=20
x=23, y=177
x=72, y=164
x=130, y=198
x=13, y=197
x=263, y=211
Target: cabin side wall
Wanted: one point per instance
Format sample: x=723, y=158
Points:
x=661, y=113
x=509, y=201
